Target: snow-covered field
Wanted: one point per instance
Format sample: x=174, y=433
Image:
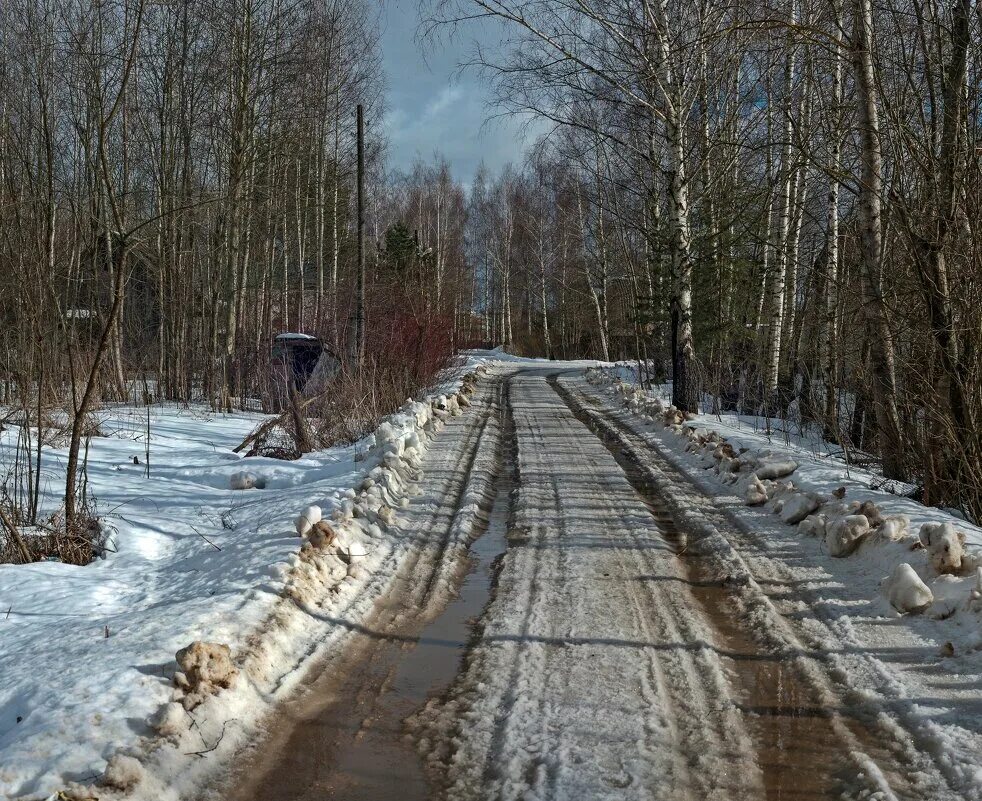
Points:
x=87, y=654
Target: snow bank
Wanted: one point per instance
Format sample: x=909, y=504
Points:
x=874, y=528
x=119, y=675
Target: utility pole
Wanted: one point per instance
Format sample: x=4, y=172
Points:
x=358, y=346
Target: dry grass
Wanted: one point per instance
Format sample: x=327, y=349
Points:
x=77, y=544
x=351, y=407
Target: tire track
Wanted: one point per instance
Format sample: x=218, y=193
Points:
x=872, y=744
x=523, y=703
x=585, y=682
x=690, y=677
x=314, y=747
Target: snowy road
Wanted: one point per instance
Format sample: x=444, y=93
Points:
x=636, y=645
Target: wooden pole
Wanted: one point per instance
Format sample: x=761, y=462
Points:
x=358, y=346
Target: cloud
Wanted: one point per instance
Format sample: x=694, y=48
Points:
x=446, y=98
x=434, y=109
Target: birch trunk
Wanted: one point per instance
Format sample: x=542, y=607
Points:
x=884, y=383
x=830, y=304
x=779, y=241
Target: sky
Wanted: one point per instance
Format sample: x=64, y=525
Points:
x=433, y=108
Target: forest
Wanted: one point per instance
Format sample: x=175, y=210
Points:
x=773, y=204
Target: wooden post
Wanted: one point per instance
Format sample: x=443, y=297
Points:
x=358, y=345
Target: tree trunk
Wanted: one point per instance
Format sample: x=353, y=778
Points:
x=884, y=384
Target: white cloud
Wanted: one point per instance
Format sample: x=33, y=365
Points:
x=433, y=109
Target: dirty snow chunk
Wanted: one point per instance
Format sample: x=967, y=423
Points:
x=245, y=480
x=893, y=528
x=775, y=470
x=844, y=535
x=905, y=590
x=724, y=451
x=313, y=514
x=945, y=546
x=756, y=493
x=871, y=511
x=206, y=667
x=813, y=526
x=322, y=534
x=672, y=416
x=798, y=507
x=122, y=772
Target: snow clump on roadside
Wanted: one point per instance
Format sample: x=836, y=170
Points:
x=799, y=506
x=206, y=668
x=245, y=480
x=945, y=546
x=843, y=536
x=906, y=591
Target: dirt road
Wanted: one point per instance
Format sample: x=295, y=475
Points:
x=605, y=637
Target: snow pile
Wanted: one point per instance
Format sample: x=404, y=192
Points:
x=205, y=668
x=118, y=675
x=798, y=507
x=945, y=546
x=844, y=534
x=906, y=591
x=246, y=480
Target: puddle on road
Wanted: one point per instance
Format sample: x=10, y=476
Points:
x=799, y=750
x=344, y=736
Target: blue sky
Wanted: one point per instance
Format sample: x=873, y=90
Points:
x=433, y=108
